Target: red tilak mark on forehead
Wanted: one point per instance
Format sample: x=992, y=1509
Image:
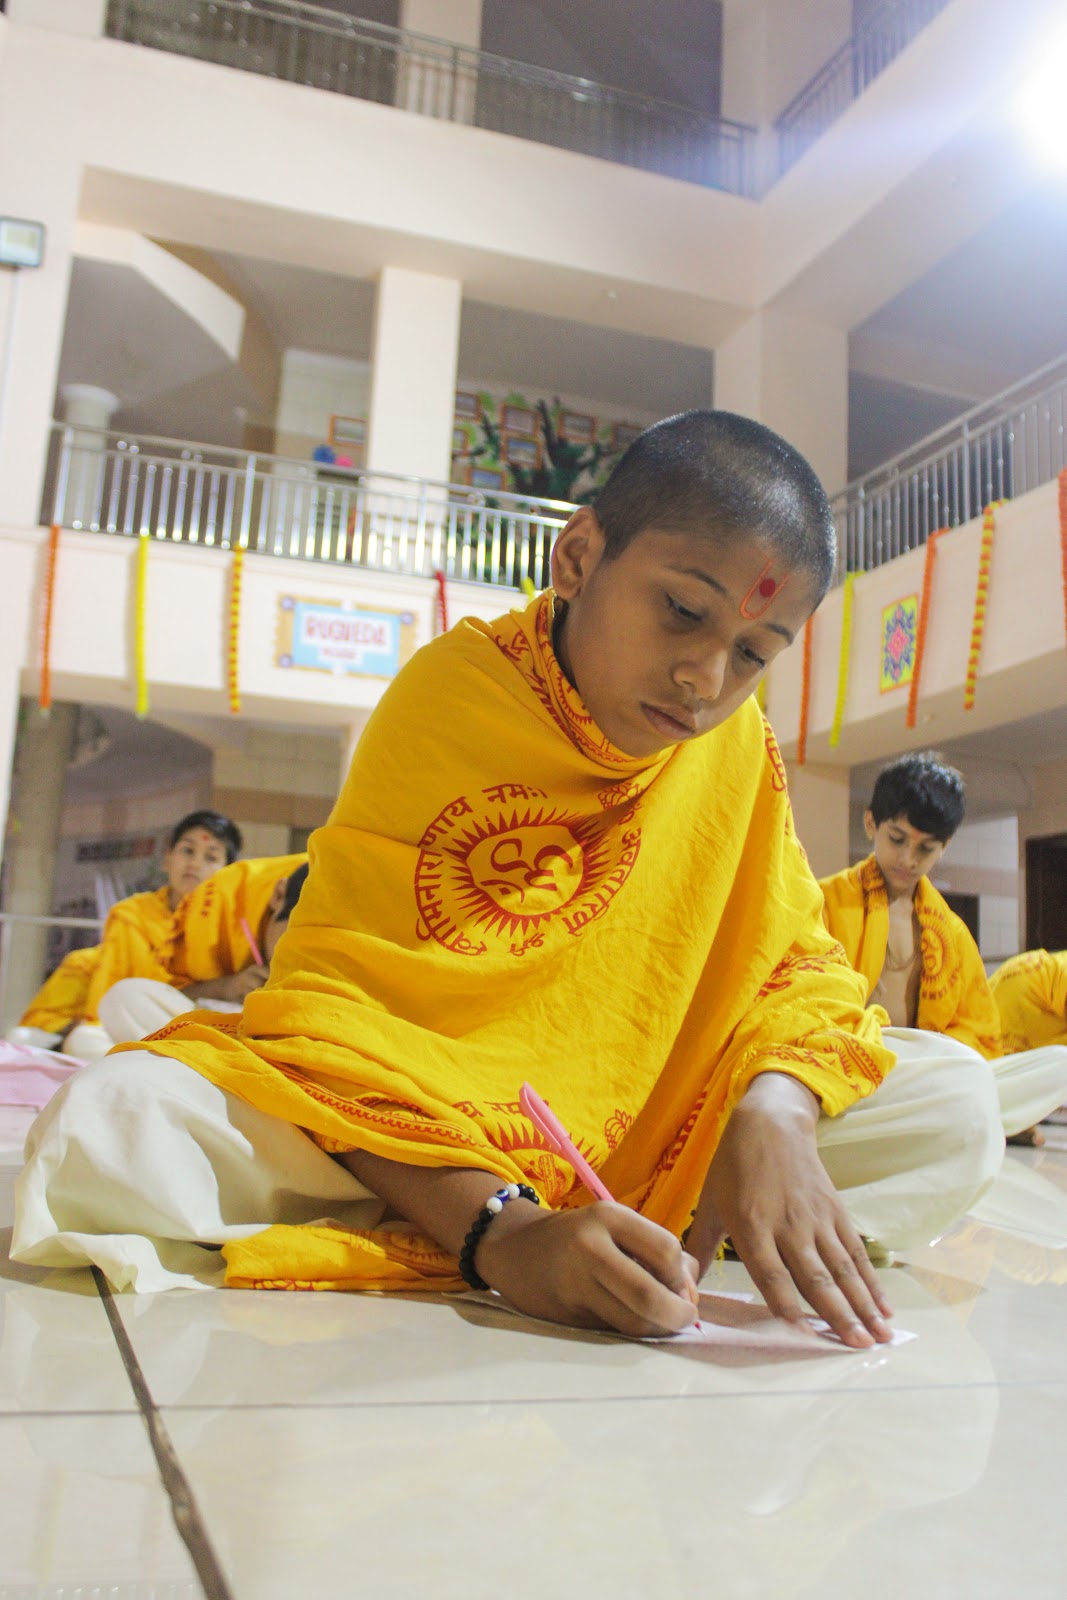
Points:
x=766, y=588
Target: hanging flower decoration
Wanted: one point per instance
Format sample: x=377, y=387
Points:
x=234, y=631
x=924, y=618
x=842, y=665
x=44, y=693
x=442, y=602
x=1063, y=538
x=140, y=591
x=528, y=588
x=805, y=696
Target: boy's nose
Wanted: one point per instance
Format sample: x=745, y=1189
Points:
x=705, y=675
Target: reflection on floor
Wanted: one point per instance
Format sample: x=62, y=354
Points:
x=346, y=1445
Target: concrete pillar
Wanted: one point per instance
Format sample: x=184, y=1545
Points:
x=88, y=410
x=413, y=374
x=441, y=83
x=42, y=185
x=791, y=374
x=820, y=796
x=42, y=755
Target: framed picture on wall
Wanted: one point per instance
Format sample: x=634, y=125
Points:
x=348, y=430
x=521, y=420
x=521, y=452
x=577, y=427
x=623, y=434
x=460, y=441
x=485, y=477
x=468, y=405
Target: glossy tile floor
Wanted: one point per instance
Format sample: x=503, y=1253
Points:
x=346, y=1446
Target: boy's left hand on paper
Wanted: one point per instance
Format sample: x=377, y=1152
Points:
x=769, y=1193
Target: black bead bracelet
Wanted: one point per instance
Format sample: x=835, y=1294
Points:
x=492, y=1208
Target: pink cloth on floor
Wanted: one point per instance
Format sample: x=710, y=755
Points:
x=29, y=1076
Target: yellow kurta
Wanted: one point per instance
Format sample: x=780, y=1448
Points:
x=61, y=1000
x=206, y=939
x=954, y=993
x=1031, y=995
x=137, y=930
x=501, y=895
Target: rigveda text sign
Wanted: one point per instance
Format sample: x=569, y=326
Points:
x=328, y=636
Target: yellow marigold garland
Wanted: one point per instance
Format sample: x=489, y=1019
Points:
x=981, y=602
x=233, y=683
x=44, y=693
x=842, y=665
x=140, y=590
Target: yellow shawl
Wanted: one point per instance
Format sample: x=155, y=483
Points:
x=501, y=895
x=206, y=939
x=135, y=931
x=62, y=998
x=954, y=994
x=1031, y=995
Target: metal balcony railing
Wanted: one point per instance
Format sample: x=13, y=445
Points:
x=845, y=76
x=219, y=499
x=312, y=45
x=997, y=451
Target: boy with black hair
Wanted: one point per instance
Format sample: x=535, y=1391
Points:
x=917, y=957
x=136, y=930
x=564, y=855
x=228, y=966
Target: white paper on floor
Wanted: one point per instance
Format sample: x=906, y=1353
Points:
x=736, y=1322
x=730, y=1322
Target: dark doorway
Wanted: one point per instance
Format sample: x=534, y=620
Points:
x=1046, y=893
x=966, y=908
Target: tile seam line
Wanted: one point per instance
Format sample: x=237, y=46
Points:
x=194, y=1407
x=183, y=1505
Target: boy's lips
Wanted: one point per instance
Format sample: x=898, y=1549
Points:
x=675, y=725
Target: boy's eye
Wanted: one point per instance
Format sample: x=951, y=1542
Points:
x=682, y=612
x=750, y=655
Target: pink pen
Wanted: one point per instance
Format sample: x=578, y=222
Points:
x=560, y=1143
x=257, y=955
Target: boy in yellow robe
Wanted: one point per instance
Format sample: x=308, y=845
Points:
x=1031, y=995
x=916, y=956
x=60, y=1001
x=209, y=957
x=135, y=930
x=564, y=855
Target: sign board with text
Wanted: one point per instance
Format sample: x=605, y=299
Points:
x=329, y=636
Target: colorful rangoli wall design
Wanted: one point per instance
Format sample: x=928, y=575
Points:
x=900, y=627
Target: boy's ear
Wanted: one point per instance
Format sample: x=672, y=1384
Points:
x=277, y=897
x=576, y=553
x=870, y=827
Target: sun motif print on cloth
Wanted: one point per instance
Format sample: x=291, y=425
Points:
x=765, y=589
x=497, y=870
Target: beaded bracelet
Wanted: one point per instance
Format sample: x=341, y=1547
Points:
x=492, y=1208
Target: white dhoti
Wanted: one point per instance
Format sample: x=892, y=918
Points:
x=141, y=1166
x=135, y=1007
x=1030, y=1084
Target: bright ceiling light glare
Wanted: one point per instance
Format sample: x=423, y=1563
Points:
x=1043, y=105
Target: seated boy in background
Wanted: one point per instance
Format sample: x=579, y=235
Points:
x=214, y=945
x=60, y=1002
x=139, y=929
x=564, y=855
x=1031, y=995
x=916, y=956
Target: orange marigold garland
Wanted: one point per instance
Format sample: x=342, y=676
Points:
x=1063, y=538
x=139, y=597
x=44, y=693
x=981, y=602
x=442, y=602
x=232, y=680
x=805, y=696
x=920, y=632
x=843, y=660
